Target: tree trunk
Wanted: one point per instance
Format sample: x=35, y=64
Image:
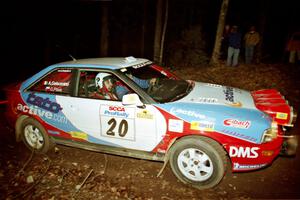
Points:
x=216, y=51
x=264, y=11
x=104, y=30
x=158, y=31
x=164, y=33
x=144, y=28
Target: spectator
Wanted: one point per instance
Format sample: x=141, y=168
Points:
x=234, y=43
x=293, y=46
x=224, y=46
x=251, y=40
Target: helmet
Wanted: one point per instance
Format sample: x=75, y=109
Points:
x=100, y=78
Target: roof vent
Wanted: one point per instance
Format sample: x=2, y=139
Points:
x=130, y=59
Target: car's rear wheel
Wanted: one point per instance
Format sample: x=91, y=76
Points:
x=198, y=161
x=34, y=136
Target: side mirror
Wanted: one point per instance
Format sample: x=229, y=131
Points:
x=132, y=99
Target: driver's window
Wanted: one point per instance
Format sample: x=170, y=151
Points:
x=87, y=84
x=101, y=85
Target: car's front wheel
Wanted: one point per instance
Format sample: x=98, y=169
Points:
x=198, y=161
x=34, y=136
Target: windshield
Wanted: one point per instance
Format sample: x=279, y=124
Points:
x=158, y=83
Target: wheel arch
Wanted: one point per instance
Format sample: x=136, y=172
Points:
x=209, y=146
x=18, y=127
x=24, y=121
x=206, y=138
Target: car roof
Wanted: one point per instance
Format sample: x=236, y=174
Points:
x=106, y=62
x=112, y=63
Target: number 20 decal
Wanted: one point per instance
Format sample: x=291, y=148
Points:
x=122, y=128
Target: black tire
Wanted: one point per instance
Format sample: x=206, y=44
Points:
x=34, y=136
x=201, y=174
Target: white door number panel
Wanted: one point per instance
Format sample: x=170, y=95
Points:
x=117, y=122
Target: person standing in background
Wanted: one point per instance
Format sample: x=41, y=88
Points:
x=234, y=43
x=251, y=40
x=224, y=45
x=293, y=47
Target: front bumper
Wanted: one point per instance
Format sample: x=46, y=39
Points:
x=289, y=146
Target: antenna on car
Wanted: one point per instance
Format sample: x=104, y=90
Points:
x=74, y=59
x=58, y=46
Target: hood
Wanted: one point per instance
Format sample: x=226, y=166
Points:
x=208, y=93
x=269, y=101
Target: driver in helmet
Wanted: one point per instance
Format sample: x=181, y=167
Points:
x=109, y=88
x=105, y=84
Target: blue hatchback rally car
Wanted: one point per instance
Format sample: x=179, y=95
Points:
x=133, y=107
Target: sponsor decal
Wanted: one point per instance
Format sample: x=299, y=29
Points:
x=237, y=166
x=141, y=64
x=145, y=115
x=228, y=92
x=78, y=135
x=243, y=152
x=213, y=85
x=202, y=125
x=116, y=111
x=175, y=125
x=239, y=135
x=176, y=111
x=235, y=104
x=34, y=110
x=207, y=100
x=117, y=122
x=64, y=70
x=53, y=89
x=229, y=96
x=54, y=132
x=237, y=123
x=280, y=115
x=56, y=83
x=43, y=103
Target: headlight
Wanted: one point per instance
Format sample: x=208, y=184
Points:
x=270, y=134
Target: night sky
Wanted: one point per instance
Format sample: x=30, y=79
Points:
x=38, y=33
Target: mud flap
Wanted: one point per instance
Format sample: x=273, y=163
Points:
x=289, y=146
x=166, y=158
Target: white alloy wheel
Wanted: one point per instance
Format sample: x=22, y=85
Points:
x=198, y=161
x=33, y=136
x=195, y=164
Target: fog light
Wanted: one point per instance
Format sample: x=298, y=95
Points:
x=267, y=153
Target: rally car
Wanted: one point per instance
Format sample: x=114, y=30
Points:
x=199, y=128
